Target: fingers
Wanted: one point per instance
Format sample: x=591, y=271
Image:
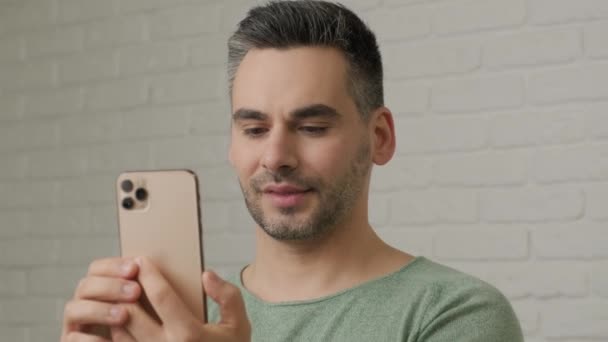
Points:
x=120, y=334
x=141, y=326
x=82, y=337
x=108, y=289
x=229, y=299
x=81, y=312
x=118, y=267
x=169, y=307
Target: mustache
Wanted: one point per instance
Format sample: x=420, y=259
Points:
x=260, y=181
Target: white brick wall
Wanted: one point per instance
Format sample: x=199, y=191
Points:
x=501, y=169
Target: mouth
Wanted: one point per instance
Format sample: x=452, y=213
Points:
x=284, y=196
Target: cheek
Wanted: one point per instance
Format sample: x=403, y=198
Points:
x=327, y=160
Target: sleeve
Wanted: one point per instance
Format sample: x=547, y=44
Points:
x=475, y=314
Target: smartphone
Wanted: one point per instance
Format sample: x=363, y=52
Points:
x=159, y=217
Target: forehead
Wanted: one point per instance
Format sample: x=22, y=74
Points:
x=277, y=81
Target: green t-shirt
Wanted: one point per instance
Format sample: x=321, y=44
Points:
x=424, y=301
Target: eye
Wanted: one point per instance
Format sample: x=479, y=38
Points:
x=313, y=130
x=254, y=131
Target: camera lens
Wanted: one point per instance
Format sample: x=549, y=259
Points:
x=128, y=203
x=141, y=194
x=126, y=185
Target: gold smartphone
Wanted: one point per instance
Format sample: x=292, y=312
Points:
x=159, y=217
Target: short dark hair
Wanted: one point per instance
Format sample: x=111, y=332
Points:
x=286, y=24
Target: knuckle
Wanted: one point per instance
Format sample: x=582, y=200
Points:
x=80, y=287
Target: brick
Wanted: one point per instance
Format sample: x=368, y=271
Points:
x=88, y=67
x=432, y=134
x=379, y=209
x=599, y=278
x=413, y=60
x=30, y=194
x=117, y=157
x=599, y=245
x=217, y=215
x=577, y=83
x=152, y=58
x=529, y=129
x=71, y=11
x=117, y=94
x=474, y=15
x=161, y=122
x=14, y=224
x=481, y=244
x=190, y=86
x=555, y=203
x=90, y=191
x=46, y=331
x=400, y=23
x=39, y=252
x=232, y=13
x=219, y=183
x=185, y=20
x=561, y=164
x=189, y=151
x=216, y=253
x=27, y=76
x=481, y=169
x=402, y=173
x=210, y=118
x=563, y=241
x=211, y=49
x=103, y=220
x=530, y=48
x=11, y=49
x=55, y=42
x=28, y=310
x=595, y=39
x=559, y=279
x=127, y=6
x=61, y=163
x=97, y=128
x=575, y=318
x=561, y=11
x=82, y=251
x=58, y=101
x=10, y=137
x=434, y=206
x=12, y=282
x=597, y=121
x=39, y=135
x=13, y=167
x=414, y=241
x=11, y=107
x=59, y=221
x=406, y=97
x=597, y=201
x=361, y=5
x=119, y=31
x=26, y=15
x=528, y=315
x=12, y=333
x=477, y=94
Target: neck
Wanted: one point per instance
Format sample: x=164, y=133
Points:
x=350, y=254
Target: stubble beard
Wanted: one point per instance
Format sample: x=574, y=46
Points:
x=336, y=200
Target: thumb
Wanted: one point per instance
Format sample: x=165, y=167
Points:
x=229, y=299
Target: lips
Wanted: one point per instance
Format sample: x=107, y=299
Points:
x=285, y=196
x=285, y=189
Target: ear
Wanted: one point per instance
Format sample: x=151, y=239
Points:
x=382, y=130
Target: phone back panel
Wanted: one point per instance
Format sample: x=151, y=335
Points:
x=166, y=227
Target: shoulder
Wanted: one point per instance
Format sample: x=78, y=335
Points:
x=455, y=302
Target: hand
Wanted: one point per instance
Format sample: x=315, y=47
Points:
x=108, y=281
x=177, y=323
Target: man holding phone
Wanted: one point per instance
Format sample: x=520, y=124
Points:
x=308, y=123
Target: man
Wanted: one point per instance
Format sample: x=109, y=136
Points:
x=308, y=123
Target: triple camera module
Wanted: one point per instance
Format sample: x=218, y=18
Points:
x=140, y=194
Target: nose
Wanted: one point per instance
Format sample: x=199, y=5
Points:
x=279, y=153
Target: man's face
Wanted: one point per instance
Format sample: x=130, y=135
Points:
x=300, y=149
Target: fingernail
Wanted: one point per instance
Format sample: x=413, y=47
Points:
x=115, y=311
x=126, y=267
x=128, y=289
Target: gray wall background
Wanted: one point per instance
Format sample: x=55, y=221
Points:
x=501, y=169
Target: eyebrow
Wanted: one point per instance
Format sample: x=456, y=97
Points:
x=317, y=110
